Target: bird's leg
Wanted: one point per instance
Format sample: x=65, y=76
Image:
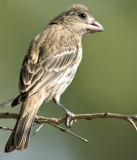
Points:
x=69, y=114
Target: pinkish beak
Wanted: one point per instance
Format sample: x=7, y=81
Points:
x=94, y=26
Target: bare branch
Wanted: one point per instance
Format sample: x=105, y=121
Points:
x=56, y=121
x=41, y=119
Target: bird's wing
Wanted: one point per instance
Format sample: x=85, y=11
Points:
x=36, y=74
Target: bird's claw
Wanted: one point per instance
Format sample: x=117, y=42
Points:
x=69, y=120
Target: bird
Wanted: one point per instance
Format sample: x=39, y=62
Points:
x=49, y=67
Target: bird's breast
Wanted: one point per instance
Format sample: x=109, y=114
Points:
x=79, y=56
x=58, y=86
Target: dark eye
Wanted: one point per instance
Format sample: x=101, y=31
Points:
x=82, y=15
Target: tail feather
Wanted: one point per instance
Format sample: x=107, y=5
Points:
x=10, y=144
x=19, y=138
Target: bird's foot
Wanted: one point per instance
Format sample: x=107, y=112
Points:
x=69, y=120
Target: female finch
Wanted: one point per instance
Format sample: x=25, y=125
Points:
x=49, y=67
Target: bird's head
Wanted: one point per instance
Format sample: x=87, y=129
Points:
x=78, y=19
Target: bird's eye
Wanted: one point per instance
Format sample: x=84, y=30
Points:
x=82, y=15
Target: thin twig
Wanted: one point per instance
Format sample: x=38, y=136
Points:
x=5, y=128
x=68, y=131
x=133, y=124
x=37, y=130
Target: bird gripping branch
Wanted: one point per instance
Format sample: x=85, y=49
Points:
x=49, y=67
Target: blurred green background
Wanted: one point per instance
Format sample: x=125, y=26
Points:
x=106, y=80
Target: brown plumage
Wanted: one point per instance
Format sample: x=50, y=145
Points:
x=49, y=67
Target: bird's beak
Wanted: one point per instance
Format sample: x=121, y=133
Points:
x=94, y=26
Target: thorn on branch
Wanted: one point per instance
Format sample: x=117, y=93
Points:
x=106, y=114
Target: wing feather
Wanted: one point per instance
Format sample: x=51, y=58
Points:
x=40, y=67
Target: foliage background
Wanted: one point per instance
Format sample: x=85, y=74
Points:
x=106, y=80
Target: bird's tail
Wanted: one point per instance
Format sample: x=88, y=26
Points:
x=19, y=138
